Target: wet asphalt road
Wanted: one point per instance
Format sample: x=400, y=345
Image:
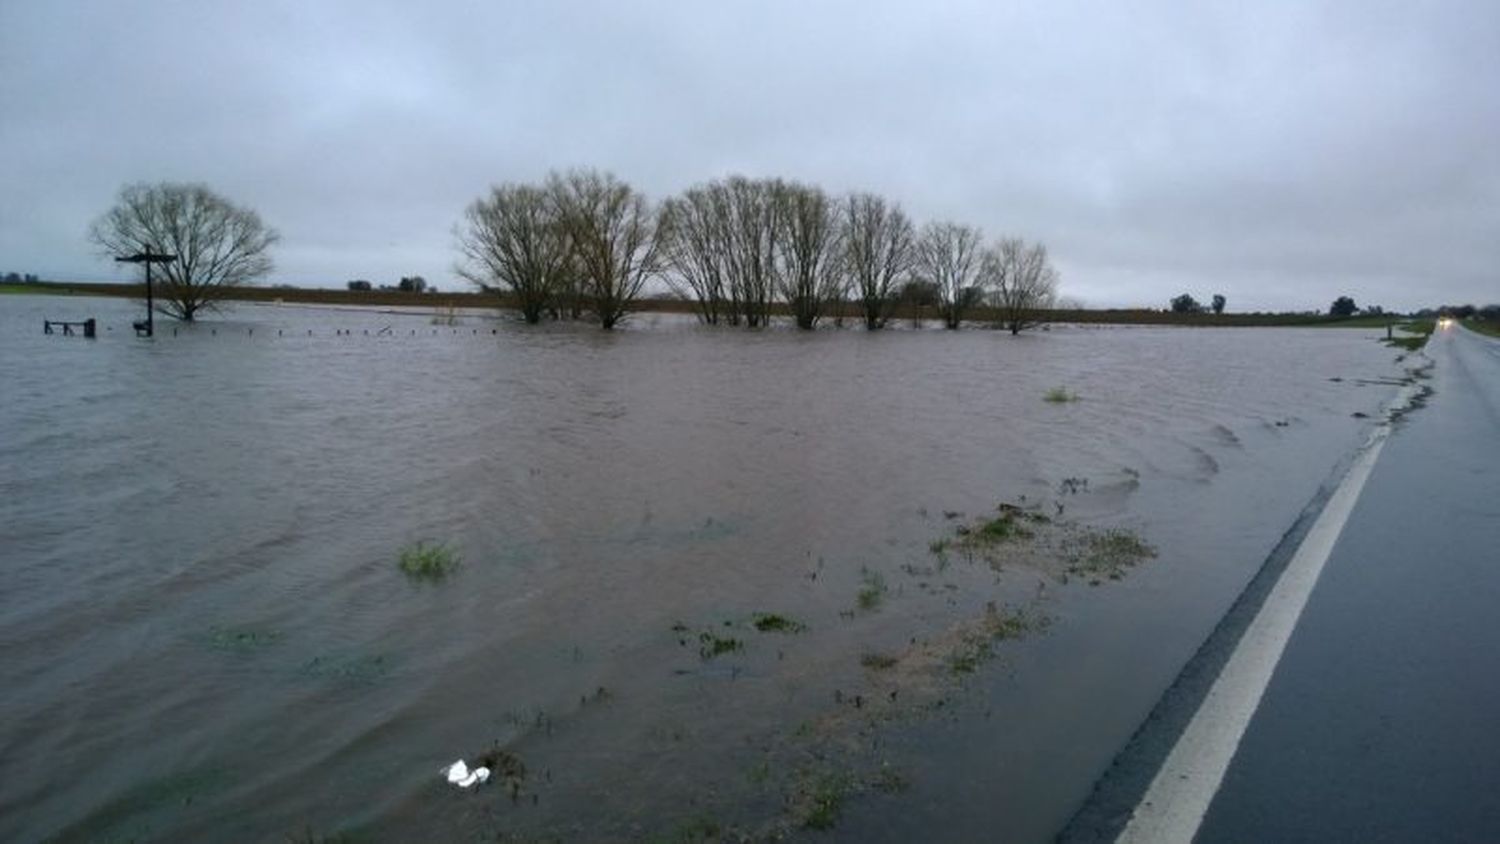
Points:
x=1382, y=720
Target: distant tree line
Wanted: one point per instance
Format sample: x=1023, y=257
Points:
x=1186, y=304
x=19, y=278
x=585, y=242
x=407, y=284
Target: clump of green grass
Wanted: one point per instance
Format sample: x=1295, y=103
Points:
x=1059, y=395
x=769, y=622
x=966, y=658
x=1483, y=326
x=1411, y=344
x=821, y=800
x=712, y=644
x=871, y=591
x=877, y=661
x=1006, y=526
x=424, y=561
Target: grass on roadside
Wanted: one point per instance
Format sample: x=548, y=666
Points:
x=1483, y=326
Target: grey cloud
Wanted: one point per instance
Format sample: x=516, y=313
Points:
x=1279, y=153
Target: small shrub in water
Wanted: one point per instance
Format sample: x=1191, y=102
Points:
x=428, y=562
x=1060, y=395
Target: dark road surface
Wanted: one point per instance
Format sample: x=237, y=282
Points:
x=1382, y=720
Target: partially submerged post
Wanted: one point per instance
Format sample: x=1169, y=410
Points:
x=147, y=256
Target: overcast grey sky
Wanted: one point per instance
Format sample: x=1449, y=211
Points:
x=1279, y=153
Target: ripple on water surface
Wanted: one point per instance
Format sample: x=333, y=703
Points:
x=203, y=609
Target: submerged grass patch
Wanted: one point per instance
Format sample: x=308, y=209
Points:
x=506, y=768
x=871, y=591
x=820, y=799
x=699, y=830
x=712, y=644
x=1010, y=524
x=357, y=669
x=1109, y=553
x=242, y=639
x=1059, y=395
x=769, y=622
x=1411, y=344
x=998, y=625
x=424, y=561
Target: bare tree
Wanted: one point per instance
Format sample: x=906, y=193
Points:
x=612, y=231
x=218, y=244
x=878, y=252
x=1022, y=282
x=811, y=272
x=512, y=240
x=947, y=256
x=754, y=271
x=695, y=238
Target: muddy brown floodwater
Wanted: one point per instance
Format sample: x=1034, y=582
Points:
x=712, y=583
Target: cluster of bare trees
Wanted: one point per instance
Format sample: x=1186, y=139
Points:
x=740, y=249
x=583, y=240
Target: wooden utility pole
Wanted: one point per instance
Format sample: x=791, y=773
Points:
x=147, y=256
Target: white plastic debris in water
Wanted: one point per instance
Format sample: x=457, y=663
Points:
x=460, y=775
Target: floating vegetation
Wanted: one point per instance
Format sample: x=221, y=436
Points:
x=871, y=591
x=424, y=561
x=767, y=622
x=241, y=640
x=360, y=668
x=711, y=645
x=878, y=661
x=1059, y=395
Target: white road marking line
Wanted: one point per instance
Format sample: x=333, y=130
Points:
x=1174, y=805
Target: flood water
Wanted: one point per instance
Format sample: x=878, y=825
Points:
x=206, y=635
